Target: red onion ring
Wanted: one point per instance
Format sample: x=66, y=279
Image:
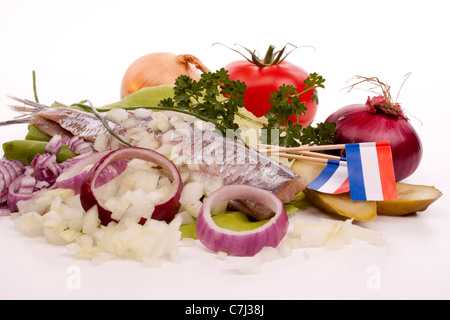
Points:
x=20, y=189
x=243, y=243
x=164, y=211
x=72, y=177
x=9, y=171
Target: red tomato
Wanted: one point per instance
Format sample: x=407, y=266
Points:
x=262, y=81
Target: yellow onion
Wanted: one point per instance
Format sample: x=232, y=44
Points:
x=159, y=68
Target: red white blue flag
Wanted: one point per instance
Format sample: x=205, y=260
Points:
x=332, y=179
x=371, y=171
x=368, y=173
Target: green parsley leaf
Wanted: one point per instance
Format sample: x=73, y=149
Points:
x=322, y=133
x=285, y=104
x=215, y=97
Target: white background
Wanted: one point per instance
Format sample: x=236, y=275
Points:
x=80, y=50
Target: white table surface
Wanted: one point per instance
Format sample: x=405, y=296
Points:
x=80, y=50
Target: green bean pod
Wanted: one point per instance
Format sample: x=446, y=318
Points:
x=26, y=150
x=35, y=134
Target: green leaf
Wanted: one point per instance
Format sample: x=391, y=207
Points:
x=285, y=103
x=322, y=133
x=26, y=150
x=35, y=134
x=145, y=97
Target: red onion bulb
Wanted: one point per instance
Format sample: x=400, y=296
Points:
x=380, y=120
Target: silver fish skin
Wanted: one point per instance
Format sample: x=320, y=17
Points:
x=215, y=154
x=236, y=163
x=73, y=122
x=61, y=120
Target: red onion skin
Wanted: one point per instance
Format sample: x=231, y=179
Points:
x=72, y=177
x=164, y=211
x=88, y=199
x=241, y=243
x=236, y=245
x=14, y=197
x=361, y=123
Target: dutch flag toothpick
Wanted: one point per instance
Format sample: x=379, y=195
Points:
x=332, y=179
x=371, y=171
x=368, y=173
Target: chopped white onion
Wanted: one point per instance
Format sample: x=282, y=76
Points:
x=332, y=234
x=165, y=210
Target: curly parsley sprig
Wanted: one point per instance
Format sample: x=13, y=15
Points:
x=214, y=97
x=286, y=103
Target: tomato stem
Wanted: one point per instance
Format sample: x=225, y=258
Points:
x=268, y=58
x=271, y=57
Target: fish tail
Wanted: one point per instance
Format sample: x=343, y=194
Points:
x=14, y=121
x=27, y=111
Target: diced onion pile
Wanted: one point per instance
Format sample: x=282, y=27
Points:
x=326, y=233
x=136, y=192
x=58, y=216
x=331, y=234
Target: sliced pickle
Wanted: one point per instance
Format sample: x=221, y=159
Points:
x=411, y=198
